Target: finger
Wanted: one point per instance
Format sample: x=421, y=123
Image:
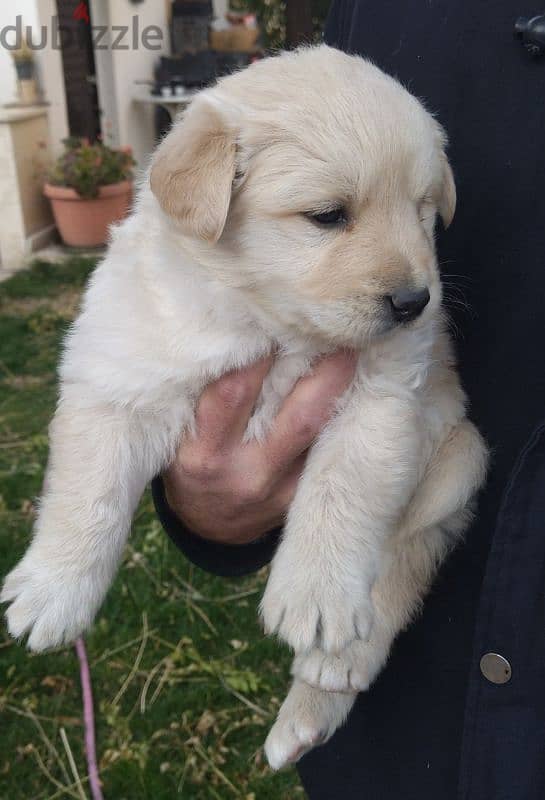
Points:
x=309, y=406
x=272, y=513
x=226, y=406
x=287, y=487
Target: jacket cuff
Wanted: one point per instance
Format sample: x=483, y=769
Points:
x=226, y=560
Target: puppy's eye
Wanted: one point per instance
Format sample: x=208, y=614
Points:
x=335, y=216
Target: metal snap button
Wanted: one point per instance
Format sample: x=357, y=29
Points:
x=495, y=668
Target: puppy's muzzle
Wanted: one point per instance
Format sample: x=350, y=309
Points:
x=407, y=304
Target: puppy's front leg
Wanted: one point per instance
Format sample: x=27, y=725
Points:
x=100, y=460
x=437, y=516
x=357, y=481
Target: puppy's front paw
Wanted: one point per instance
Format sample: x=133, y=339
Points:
x=353, y=670
x=53, y=603
x=307, y=611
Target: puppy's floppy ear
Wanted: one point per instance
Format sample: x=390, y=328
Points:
x=193, y=169
x=447, y=196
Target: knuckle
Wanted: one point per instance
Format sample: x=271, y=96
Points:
x=233, y=390
x=254, y=489
x=307, y=424
x=198, y=465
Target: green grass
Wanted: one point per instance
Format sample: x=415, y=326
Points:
x=185, y=684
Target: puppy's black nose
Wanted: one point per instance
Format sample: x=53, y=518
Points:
x=408, y=304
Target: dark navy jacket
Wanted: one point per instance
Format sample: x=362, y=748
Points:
x=434, y=727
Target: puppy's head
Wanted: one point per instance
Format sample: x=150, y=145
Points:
x=312, y=181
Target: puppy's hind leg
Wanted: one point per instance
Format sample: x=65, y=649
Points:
x=101, y=458
x=308, y=717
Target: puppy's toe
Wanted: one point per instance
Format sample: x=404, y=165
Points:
x=271, y=613
x=340, y=626
x=288, y=740
x=295, y=619
x=350, y=671
x=45, y=635
x=300, y=627
x=13, y=584
x=308, y=667
x=337, y=631
x=20, y=617
x=324, y=671
x=363, y=621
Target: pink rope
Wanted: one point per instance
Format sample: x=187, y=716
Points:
x=88, y=721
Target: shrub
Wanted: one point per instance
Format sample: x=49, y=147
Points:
x=272, y=18
x=86, y=167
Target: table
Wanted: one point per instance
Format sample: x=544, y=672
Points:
x=172, y=105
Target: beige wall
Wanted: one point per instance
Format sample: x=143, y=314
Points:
x=52, y=81
x=30, y=149
x=36, y=13
x=26, y=220
x=8, y=11
x=125, y=122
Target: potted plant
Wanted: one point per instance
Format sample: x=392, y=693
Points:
x=90, y=187
x=26, y=80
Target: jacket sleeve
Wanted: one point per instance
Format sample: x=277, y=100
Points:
x=226, y=560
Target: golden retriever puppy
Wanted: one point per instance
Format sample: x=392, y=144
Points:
x=290, y=210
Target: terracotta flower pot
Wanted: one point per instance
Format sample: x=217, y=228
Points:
x=83, y=222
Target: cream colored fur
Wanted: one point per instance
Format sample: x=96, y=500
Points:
x=218, y=265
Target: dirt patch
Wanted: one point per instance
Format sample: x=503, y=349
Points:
x=65, y=304
x=25, y=381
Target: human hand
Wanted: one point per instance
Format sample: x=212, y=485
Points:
x=230, y=492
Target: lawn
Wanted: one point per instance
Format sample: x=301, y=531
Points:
x=185, y=684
